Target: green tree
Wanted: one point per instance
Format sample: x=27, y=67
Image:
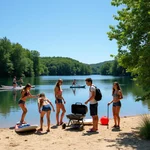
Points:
x=5, y=62
x=17, y=56
x=36, y=62
x=105, y=68
x=133, y=38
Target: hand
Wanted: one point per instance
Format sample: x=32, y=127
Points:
x=64, y=102
x=39, y=111
x=86, y=102
x=53, y=110
x=109, y=103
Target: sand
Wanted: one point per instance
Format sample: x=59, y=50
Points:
x=127, y=138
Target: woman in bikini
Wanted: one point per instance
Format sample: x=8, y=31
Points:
x=59, y=100
x=46, y=105
x=25, y=93
x=117, y=96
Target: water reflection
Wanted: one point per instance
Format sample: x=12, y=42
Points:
x=14, y=95
x=10, y=111
x=74, y=91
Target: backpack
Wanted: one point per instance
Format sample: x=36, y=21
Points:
x=98, y=94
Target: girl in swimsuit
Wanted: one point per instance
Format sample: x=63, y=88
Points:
x=59, y=100
x=117, y=96
x=46, y=105
x=25, y=93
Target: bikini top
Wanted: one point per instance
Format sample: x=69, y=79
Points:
x=59, y=92
x=116, y=94
x=26, y=93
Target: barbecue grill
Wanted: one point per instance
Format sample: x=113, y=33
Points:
x=76, y=118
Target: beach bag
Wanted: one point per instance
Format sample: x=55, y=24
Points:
x=98, y=94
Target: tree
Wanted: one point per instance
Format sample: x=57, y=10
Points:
x=105, y=68
x=5, y=62
x=36, y=62
x=133, y=38
x=17, y=55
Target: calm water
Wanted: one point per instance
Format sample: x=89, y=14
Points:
x=10, y=112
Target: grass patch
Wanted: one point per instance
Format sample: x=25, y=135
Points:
x=145, y=127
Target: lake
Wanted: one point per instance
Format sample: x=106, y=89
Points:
x=10, y=112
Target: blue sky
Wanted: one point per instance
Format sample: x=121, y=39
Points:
x=68, y=28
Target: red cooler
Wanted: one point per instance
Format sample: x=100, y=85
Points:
x=104, y=120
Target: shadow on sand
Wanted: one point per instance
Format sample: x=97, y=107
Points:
x=129, y=139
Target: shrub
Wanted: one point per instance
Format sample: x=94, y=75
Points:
x=145, y=127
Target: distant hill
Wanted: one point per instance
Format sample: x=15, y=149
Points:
x=96, y=67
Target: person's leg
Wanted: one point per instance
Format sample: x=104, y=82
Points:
x=15, y=85
x=96, y=116
x=95, y=123
x=114, y=115
x=63, y=113
x=57, y=113
x=24, y=109
x=48, y=120
x=41, y=120
x=117, y=115
x=92, y=115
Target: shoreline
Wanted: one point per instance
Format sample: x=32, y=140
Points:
x=126, y=138
x=37, y=123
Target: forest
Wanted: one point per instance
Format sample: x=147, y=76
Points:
x=21, y=62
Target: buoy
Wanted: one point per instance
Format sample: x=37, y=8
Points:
x=104, y=120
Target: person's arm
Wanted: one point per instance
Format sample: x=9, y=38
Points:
x=32, y=96
x=120, y=96
x=91, y=97
x=39, y=105
x=51, y=105
x=56, y=91
x=110, y=102
x=63, y=100
x=22, y=94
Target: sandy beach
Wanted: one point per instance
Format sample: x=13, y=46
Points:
x=59, y=139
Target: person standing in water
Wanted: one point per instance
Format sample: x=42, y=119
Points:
x=14, y=82
x=74, y=82
x=117, y=96
x=59, y=100
x=25, y=93
x=21, y=82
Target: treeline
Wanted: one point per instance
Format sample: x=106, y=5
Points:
x=63, y=66
x=18, y=61
x=109, y=68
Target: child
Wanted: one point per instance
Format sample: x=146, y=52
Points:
x=44, y=103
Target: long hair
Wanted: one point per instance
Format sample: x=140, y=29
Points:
x=118, y=87
x=57, y=84
x=25, y=88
